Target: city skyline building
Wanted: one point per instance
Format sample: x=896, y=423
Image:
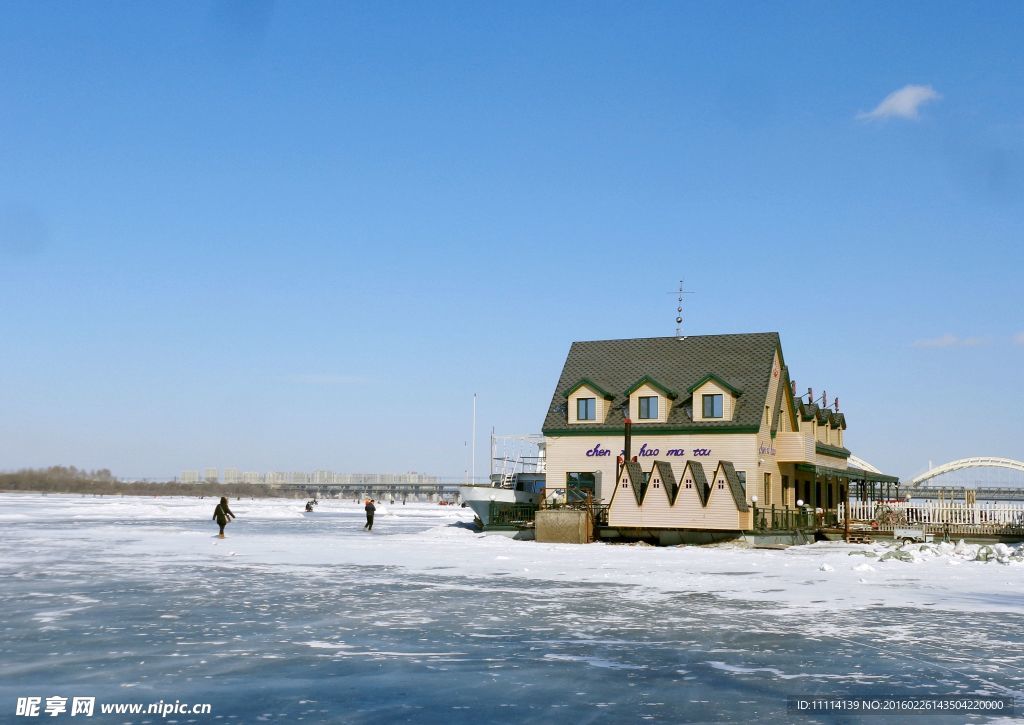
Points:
x=320, y=477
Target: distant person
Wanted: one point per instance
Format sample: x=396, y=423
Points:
x=370, y=509
x=222, y=515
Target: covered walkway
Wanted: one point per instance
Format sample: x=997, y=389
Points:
x=826, y=487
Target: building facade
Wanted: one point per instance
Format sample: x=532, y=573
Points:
x=721, y=409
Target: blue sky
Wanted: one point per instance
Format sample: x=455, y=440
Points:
x=301, y=235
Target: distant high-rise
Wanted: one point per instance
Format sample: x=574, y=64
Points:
x=319, y=477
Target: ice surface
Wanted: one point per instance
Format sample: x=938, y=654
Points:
x=309, y=617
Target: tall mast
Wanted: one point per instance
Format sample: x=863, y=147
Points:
x=472, y=468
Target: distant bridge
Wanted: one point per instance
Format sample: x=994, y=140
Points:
x=925, y=486
x=398, y=491
x=976, y=462
x=958, y=493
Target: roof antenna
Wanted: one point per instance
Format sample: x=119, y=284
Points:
x=679, y=310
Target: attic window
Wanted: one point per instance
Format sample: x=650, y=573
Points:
x=713, y=405
x=586, y=409
x=648, y=407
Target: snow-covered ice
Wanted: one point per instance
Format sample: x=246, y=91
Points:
x=308, y=617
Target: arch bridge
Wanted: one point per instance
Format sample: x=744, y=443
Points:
x=920, y=487
x=975, y=462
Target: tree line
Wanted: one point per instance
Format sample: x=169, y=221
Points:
x=69, y=479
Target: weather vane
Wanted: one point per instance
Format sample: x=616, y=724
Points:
x=679, y=308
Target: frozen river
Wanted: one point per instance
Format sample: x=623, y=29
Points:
x=299, y=617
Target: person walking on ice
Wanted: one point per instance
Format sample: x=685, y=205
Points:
x=222, y=515
x=370, y=508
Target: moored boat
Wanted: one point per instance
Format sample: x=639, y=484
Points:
x=515, y=487
x=502, y=500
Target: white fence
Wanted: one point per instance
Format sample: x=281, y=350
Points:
x=936, y=513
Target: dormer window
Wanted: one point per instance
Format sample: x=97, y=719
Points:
x=587, y=403
x=649, y=400
x=712, y=405
x=714, y=399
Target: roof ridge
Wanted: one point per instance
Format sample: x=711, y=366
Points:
x=685, y=337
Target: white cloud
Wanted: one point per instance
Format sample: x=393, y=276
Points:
x=951, y=340
x=327, y=379
x=903, y=103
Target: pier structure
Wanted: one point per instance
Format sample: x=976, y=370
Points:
x=421, y=492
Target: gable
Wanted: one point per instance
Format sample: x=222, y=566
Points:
x=695, y=472
x=717, y=381
x=633, y=475
x=591, y=386
x=727, y=471
x=651, y=383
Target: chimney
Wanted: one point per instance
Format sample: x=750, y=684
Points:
x=837, y=405
x=793, y=384
x=810, y=395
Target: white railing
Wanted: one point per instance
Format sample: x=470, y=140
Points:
x=888, y=514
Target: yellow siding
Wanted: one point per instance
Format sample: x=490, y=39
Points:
x=687, y=512
x=657, y=513
x=721, y=510
x=623, y=509
x=688, y=507
x=569, y=453
x=794, y=448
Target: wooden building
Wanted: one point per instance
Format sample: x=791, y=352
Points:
x=716, y=427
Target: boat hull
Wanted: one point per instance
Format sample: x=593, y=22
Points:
x=488, y=500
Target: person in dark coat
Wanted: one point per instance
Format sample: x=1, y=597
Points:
x=222, y=515
x=370, y=508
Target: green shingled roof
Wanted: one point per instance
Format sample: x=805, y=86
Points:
x=745, y=360
x=700, y=481
x=732, y=480
x=637, y=480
